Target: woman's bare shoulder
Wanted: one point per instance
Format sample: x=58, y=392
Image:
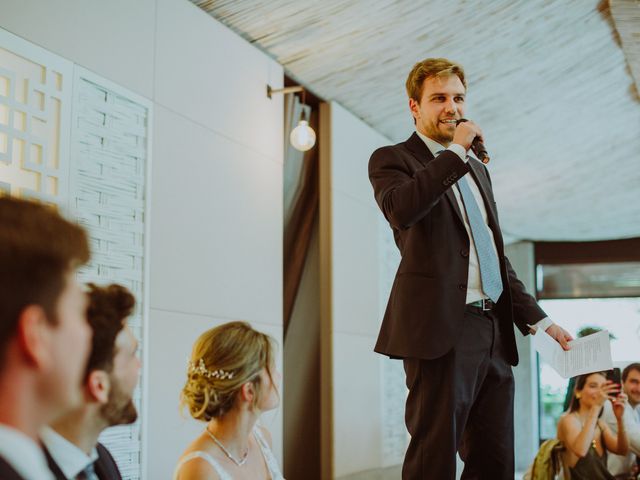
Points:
x=197, y=468
x=567, y=422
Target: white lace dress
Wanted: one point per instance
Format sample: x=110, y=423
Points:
x=269, y=459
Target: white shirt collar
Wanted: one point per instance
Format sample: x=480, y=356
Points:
x=23, y=454
x=69, y=457
x=433, y=146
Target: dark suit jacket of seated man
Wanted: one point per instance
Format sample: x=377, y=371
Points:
x=457, y=345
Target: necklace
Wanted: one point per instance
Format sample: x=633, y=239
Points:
x=580, y=419
x=238, y=462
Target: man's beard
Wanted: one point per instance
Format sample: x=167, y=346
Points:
x=443, y=138
x=119, y=409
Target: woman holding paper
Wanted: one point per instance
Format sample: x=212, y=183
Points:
x=586, y=438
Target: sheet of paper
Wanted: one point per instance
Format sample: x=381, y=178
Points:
x=588, y=354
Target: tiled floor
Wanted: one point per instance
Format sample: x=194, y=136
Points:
x=391, y=473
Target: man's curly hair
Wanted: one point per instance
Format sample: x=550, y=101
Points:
x=109, y=307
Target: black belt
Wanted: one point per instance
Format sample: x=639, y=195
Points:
x=483, y=305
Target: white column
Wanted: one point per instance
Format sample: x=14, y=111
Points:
x=522, y=259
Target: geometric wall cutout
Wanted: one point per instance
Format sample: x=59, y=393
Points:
x=35, y=106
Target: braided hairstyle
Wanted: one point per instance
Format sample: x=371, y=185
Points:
x=236, y=349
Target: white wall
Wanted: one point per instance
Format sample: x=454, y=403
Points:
x=522, y=258
x=355, y=266
x=216, y=186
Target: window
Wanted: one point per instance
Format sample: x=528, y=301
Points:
x=620, y=316
x=587, y=284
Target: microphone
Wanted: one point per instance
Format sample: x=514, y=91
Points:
x=477, y=146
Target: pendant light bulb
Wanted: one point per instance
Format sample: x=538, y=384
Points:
x=303, y=137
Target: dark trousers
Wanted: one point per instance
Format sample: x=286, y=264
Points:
x=462, y=401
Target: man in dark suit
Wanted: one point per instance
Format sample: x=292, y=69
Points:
x=71, y=444
x=455, y=296
x=44, y=335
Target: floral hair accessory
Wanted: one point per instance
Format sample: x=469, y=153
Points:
x=201, y=369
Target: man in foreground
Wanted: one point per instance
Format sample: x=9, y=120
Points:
x=44, y=335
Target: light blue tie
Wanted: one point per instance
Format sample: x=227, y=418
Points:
x=489, y=266
x=88, y=473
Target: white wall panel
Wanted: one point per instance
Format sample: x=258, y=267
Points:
x=208, y=74
x=357, y=425
x=355, y=266
x=353, y=143
x=216, y=227
x=360, y=424
x=114, y=39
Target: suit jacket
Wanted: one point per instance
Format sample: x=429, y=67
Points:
x=105, y=466
x=425, y=312
x=7, y=472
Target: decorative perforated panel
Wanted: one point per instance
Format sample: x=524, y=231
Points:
x=109, y=157
x=35, y=103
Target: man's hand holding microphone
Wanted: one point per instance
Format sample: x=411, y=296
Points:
x=469, y=135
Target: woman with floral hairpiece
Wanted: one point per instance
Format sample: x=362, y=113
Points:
x=586, y=438
x=231, y=381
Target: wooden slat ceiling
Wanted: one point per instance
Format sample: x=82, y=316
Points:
x=549, y=84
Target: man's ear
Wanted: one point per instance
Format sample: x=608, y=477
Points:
x=414, y=106
x=98, y=386
x=34, y=336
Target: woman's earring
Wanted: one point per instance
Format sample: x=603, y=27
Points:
x=578, y=395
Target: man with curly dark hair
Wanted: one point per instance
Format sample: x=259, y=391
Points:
x=111, y=376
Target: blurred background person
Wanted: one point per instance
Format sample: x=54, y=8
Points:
x=231, y=381
x=71, y=444
x=624, y=467
x=44, y=335
x=585, y=436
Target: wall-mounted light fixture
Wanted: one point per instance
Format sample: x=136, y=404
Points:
x=302, y=137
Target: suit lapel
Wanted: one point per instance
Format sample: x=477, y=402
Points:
x=7, y=472
x=419, y=149
x=105, y=466
x=53, y=466
x=422, y=153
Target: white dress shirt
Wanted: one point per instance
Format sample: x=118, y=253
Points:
x=23, y=454
x=474, y=282
x=619, y=464
x=69, y=457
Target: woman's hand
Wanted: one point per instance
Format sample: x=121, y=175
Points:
x=609, y=391
x=619, y=404
x=606, y=392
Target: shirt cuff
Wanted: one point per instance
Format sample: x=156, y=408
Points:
x=458, y=150
x=544, y=323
